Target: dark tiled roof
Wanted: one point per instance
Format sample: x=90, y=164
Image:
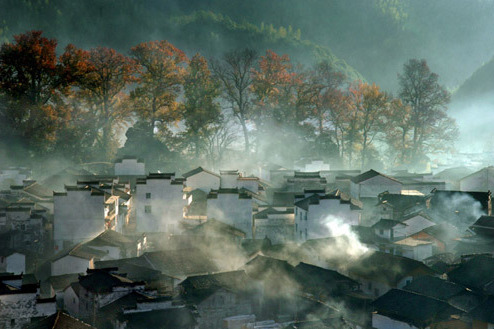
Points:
x=435, y=287
x=474, y=273
x=164, y=319
x=263, y=214
x=59, y=320
x=198, y=170
x=213, y=227
x=111, y=238
x=484, y=312
x=316, y=276
x=401, y=201
x=412, y=308
x=387, y=268
x=368, y=175
x=181, y=262
x=101, y=281
x=201, y=286
x=386, y=224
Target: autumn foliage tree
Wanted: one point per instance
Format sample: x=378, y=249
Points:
x=160, y=74
x=101, y=82
x=32, y=87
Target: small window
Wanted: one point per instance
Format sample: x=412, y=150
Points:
x=381, y=231
x=376, y=292
x=369, y=285
x=12, y=322
x=23, y=227
x=147, y=209
x=148, y=195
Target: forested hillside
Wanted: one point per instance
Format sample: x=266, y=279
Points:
x=373, y=36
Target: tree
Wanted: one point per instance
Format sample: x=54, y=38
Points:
x=200, y=109
x=102, y=83
x=161, y=71
x=234, y=72
x=371, y=107
x=32, y=88
x=430, y=127
x=327, y=83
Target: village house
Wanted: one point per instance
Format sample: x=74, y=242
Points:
x=449, y=292
x=482, y=316
x=26, y=227
x=12, y=261
x=443, y=237
x=233, y=207
x=476, y=273
x=372, y=183
x=389, y=229
x=79, y=215
x=100, y=287
x=464, y=204
x=320, y=213
x=275, y=223
x=141, y=310
x=59, y=320
x=129, y=166
x=396, y=206
x=301, y=181
x=13, y=176
x=453, y=176
x=400, y=309
x=202, y=179
x=479, y=181
x=413, y=248
x=20, y=302
x=378, y=272
x=159, y=203
x=218, y=296
x=75, y=259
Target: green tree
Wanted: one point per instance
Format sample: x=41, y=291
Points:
x=431, y=129
x=200, y=108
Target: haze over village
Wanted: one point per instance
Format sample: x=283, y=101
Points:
x=261, y=164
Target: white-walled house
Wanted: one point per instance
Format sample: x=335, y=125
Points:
x=79, y=214
x=390, y=229
x=275, y=223
x=482, y=180
x=317, y=215
x=12, y=262
x=413, y=248
x=416, y=223
x=76, y=260
x=20, y=303
x=231, y=207
x=159, y=203
x=202, y=179
x=371, y=183
x=130, y=167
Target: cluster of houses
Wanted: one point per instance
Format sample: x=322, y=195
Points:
x=275, y=248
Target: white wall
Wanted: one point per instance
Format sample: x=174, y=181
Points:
x=416, y=224
x=130, y=167
x=372, y=187
x=70, y=264
x=16, y=263
x=232, y=210
x=71, y=302
x=203, y=181
x=318, y=217
x=167, y=205
x=383, y=322
x=78, y=216
x=21, y=308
